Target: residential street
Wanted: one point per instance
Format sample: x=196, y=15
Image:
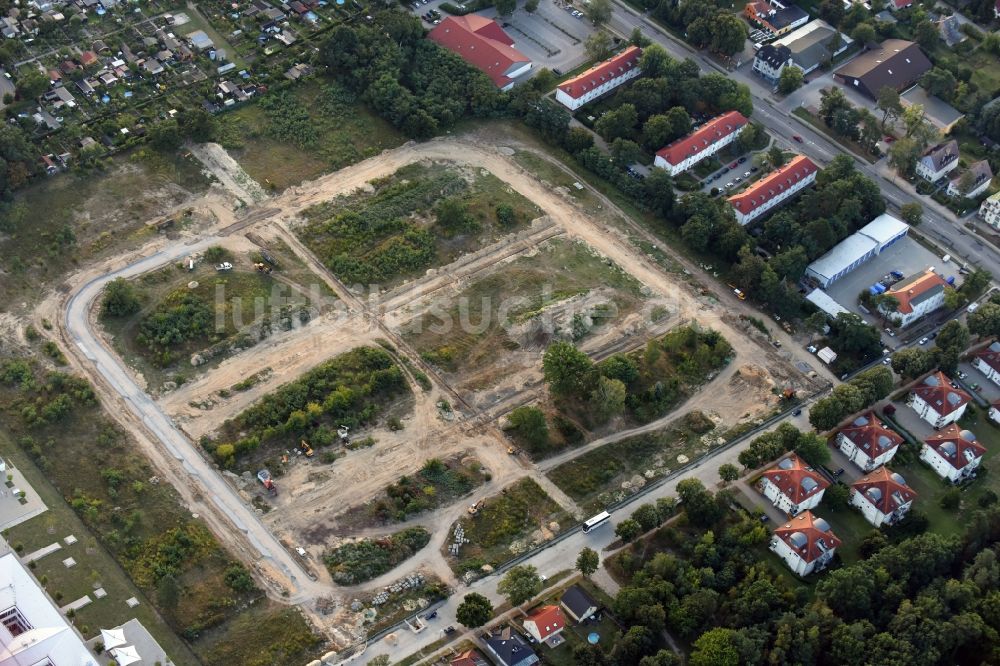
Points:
x=560, y=556
x=938, y=222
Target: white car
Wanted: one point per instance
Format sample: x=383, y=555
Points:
x=923, y=341
x=224, y=266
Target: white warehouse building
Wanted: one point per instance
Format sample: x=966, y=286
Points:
x=869, y=241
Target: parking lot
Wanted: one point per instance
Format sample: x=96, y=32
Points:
x=734, y=172
x=552, y=37
x=905, y=255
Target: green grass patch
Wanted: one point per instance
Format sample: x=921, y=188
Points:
x=351, y=389
x=359, y=561
x=304, y=131
x=595, y=478
x=504, y=526
x=58, y=224
x=421, y=216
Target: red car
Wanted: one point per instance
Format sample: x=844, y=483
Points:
x=797, y=138
x=733, y=165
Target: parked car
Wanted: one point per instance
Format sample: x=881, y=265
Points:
x=961, y=375
x=733, y=165
x=742, y=160
x=746, y=175
x=811, y=349
x=797, y=412
x=923, y=341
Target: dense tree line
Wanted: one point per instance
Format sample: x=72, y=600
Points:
x=358, y=561
x=786, y=437
x=410, y=81
x=851, y=397
x=924, y=600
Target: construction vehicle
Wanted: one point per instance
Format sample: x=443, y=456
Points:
x=262, y=268
x=474, y=509
x=264, y=477
x=342, y=433
x=306, y=449
x=739, y=293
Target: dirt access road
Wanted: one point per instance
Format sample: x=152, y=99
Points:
x=208, y=493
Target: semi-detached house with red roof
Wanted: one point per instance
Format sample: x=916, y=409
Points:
x=953, y=453
x=774, y=188
x=482, y=43
x=938, y=400
x=599, y=79
x=987, y=362
x=806, y=543
x=793, y=486
x=882, y=497
x=704, y=142
x=867, y=442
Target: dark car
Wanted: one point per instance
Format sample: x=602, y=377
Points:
x=449, y=630
x=742, y=160
x=797, y=138
x=797, y=412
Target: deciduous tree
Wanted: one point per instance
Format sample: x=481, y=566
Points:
x=474, y=611
x=520, y=584
x=587, y=561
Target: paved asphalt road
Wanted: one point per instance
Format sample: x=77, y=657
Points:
x=160, y=425
x=560, y=557
x=952, y=236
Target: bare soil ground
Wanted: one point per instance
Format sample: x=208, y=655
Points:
x=305, y=514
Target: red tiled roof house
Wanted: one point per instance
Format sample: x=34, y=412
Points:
x=987, y=362
x=704, y=142
x=793, y=486
x=953, y=453
x=882, y=497
x=867, y=442
x=806, y=543
x=774, y=188
x=917, y=296
x=483, y=44
x=599, y=79
x=937, y=401
x=545, y=622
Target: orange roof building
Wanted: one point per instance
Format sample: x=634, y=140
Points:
x=882, y=497
x=938, y=400
x=545, y=622
x=704, y=142
x=806, y=543
x=483, y=44
x=953, y=453
x=599, y=79
x=867, y=442
x=774, y=188
x=793, y=486
x=919, y=295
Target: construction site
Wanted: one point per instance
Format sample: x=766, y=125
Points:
x=428, y=357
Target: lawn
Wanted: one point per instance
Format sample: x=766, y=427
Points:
x=596, y=478
x=523, y=290
x=72, y=219
x=420, y=217
x=575, y=635
x=505, y=526
x=305, y=131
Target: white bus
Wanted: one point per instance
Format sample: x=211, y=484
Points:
x=596, y=521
